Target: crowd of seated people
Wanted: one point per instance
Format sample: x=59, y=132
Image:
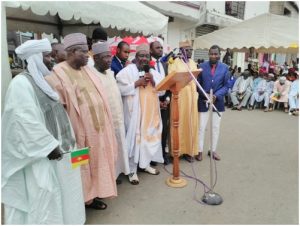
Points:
x=270, y=88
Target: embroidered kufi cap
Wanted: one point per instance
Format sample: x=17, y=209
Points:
x=74, y=39
x=144, y=47
x=100, y=47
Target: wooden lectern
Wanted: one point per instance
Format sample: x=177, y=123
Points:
x=175, y=81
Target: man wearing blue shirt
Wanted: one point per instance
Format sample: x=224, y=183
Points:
x=214, y=76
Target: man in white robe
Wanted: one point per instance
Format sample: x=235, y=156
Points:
x=241, y=91
x=102, y=59
x=256, y=81
x=261, y=94
x=142, y=118
x=36, y=131
x=280, y=93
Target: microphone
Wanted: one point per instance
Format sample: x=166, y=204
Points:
x=165, y=58
x=146, y=68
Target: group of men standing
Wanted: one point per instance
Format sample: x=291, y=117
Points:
x=117, y=114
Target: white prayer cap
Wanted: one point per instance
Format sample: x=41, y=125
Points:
x=54, y=41
x=100, y=47
x=32, y=47
x=246, y=72
x=142, y=47
x=271, y=75
x=74, y=39
x=282, y=79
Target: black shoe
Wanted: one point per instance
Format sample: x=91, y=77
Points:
x=97, y=204
x=235, y=107
x=198, y=157
x=118, y=181
x=214, y=155
x=188, y=158
x=153, y=163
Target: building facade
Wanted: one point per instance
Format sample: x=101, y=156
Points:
x=191, y=19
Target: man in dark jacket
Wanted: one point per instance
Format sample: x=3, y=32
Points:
x=214, y=76
x=120, y=60
x=156, y=51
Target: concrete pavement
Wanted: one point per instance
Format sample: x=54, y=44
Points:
x=257, y=178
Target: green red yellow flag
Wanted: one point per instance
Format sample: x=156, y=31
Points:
x=80, y=157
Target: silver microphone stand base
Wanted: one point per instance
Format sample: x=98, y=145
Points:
x=212, y=198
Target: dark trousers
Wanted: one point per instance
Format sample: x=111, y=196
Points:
x=165, y=117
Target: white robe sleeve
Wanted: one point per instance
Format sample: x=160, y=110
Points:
x=125, y=82
x=250, y=86
x=25, y=138
x=275, y=87
x=286, y=88
x=236, y=85
x=294, y=91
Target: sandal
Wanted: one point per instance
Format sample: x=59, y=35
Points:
x=133, y=178
x=97, y=204
x=151, y=170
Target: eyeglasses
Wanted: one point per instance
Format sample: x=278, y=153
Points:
x=144, y=55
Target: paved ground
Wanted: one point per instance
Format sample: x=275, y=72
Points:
x=257, y=178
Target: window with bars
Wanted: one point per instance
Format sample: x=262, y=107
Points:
x=235, y=9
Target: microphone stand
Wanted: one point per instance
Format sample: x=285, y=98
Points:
x=209, y=197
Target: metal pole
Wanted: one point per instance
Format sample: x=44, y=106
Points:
x=211, y=138
x=210, y=197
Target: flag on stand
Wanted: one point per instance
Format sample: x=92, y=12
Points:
x=80, y=157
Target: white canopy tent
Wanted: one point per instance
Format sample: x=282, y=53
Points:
x=267, y=33
x=70, y=16
x=64, y=17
